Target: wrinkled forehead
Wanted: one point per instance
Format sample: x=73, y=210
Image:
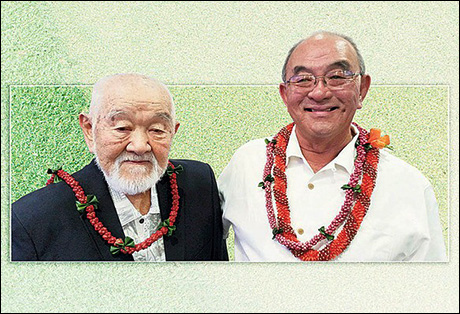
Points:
x=132, y=94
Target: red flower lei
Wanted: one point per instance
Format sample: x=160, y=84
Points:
x=358, y=194
x=89, y=204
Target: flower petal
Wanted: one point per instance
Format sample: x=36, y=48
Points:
x=386, y=140
x=374, y=134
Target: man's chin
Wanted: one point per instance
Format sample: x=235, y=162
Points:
x=133, y=178
x=132, y=185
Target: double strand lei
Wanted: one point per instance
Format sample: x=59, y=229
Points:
x=365, y=169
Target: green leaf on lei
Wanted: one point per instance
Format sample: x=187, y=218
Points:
x=90, y=200
x=178, y=169
x=328, y=236
x=114, y=250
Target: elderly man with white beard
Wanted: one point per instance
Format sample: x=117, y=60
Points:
x=131, y=203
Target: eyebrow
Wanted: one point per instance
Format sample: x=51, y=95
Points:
x=116, y=114
x=120, y=114
x=165, y=116
x=342, y=64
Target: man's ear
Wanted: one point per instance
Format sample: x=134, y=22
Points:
x=282, y=90
x=176, y=127
x=363, y=88
x=87, y=128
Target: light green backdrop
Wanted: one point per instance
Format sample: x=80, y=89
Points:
x=222, y=62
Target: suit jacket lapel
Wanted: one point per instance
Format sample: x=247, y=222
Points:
x=93, y=182
x=175, y=244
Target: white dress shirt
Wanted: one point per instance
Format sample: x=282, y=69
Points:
x=140, y=227
x=401, y=224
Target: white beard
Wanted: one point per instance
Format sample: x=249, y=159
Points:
x=143, y=180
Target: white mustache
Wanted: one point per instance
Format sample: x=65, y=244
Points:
x=125, y=156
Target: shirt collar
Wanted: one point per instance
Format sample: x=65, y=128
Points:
x=345, y=159
x=125, y=209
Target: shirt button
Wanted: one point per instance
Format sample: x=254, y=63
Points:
x=311, y=186
x=300, y=231
x=141, y=221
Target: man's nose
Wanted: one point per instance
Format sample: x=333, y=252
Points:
x=320, y=90
x=139, y=143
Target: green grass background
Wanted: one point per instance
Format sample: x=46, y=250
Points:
x=215, y=121
x=242, y=44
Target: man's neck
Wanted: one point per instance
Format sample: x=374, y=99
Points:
x=319, y=152
x=141, y=201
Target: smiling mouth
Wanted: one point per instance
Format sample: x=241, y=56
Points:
x=321, y=110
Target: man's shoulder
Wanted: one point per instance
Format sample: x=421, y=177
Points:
x=193, y=169
x=254, y=145
x=48, y=198
x=44, y=202
x=254, y=149
x=396, y=167
x=247, y=163
x=196, y=177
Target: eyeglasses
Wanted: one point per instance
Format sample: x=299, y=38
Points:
x=333, y=80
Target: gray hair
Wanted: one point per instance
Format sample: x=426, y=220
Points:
x=362, y=67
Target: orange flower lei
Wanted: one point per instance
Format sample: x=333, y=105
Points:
x=89, y=204
x=357, y=194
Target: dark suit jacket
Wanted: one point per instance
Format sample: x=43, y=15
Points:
x=47, y=226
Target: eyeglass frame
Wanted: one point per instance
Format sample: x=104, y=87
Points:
x=352, y=75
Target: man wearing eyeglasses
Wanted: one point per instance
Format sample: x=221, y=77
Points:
x=323, y=188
